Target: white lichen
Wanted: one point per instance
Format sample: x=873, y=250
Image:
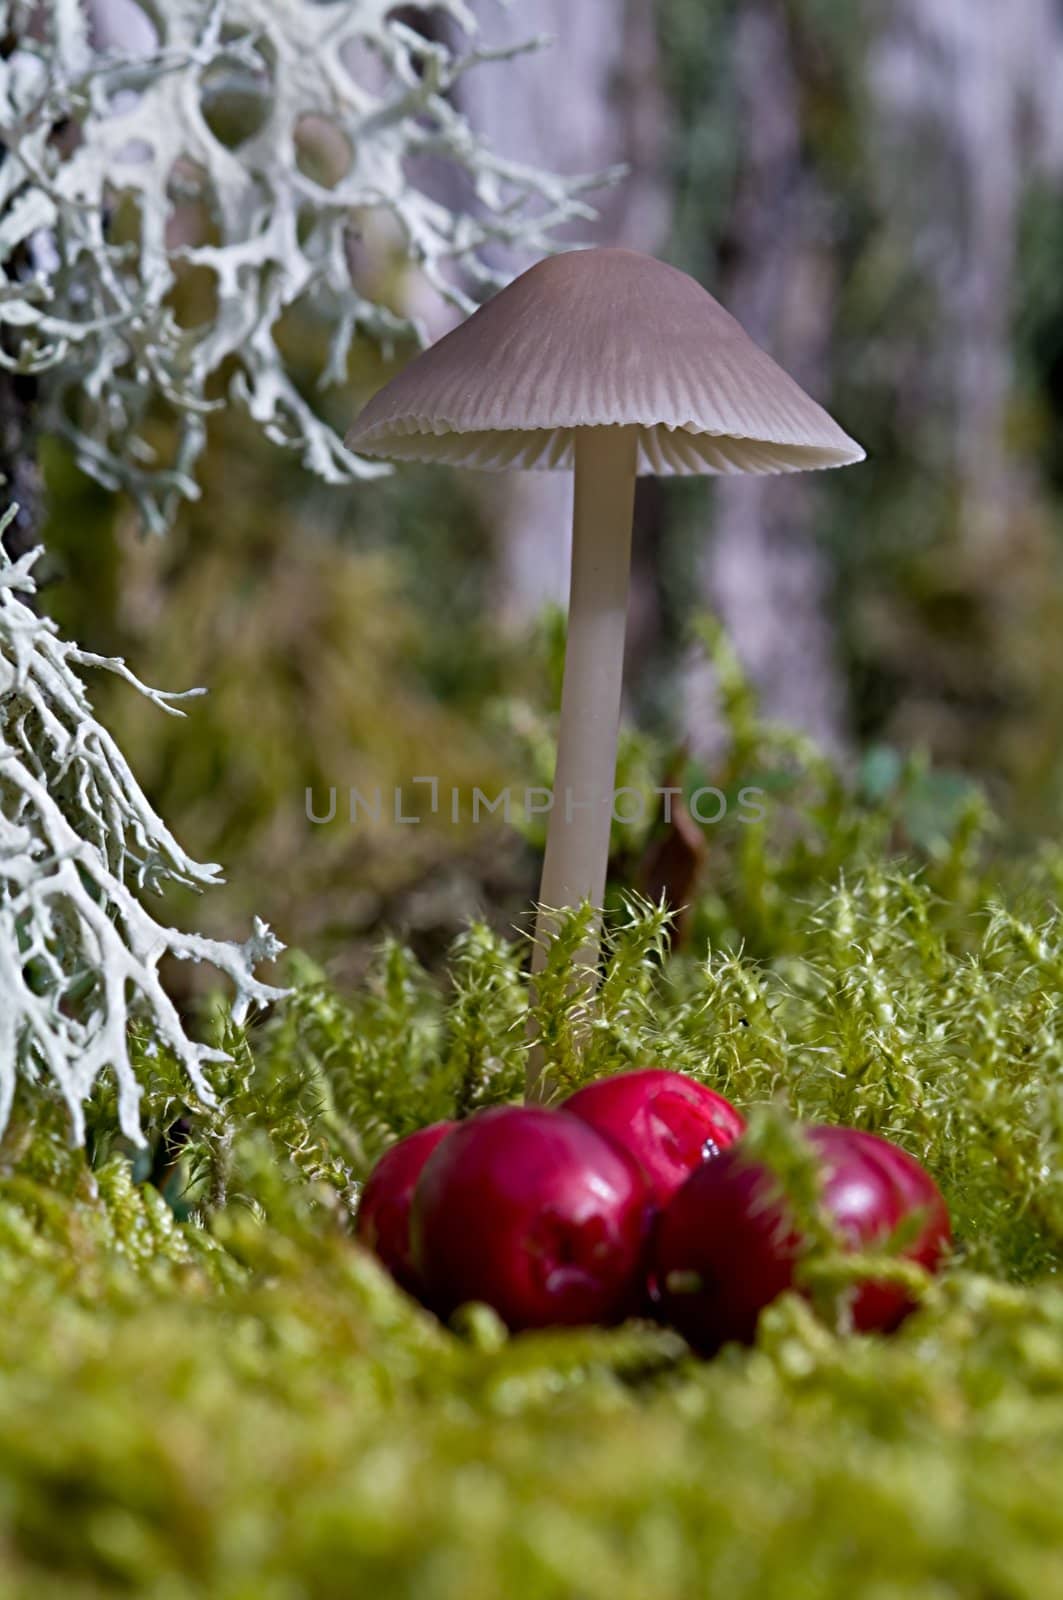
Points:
x=79, y=845
x=348, y=126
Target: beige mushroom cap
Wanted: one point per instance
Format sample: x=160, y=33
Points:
x=601, y=338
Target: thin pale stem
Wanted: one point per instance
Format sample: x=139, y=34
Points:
x=577, y=843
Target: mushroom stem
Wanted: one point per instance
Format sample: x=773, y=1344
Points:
x=577, y=843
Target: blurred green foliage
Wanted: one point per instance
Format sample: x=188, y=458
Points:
x=1039, y=332
x=333, y=661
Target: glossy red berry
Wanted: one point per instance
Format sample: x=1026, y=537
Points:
x=725, y=1249
x=383, y=1221
x=533, y=1212
x=912, y=1193
x=670, y=1123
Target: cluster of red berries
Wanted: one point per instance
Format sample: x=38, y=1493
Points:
x=635, y=1197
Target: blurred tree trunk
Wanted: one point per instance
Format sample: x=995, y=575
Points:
x=959, y=107
x=969, y=106
x=588, y=101
x=967, y=109
x=762, y=570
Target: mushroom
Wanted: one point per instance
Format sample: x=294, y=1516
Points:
x=615, y=364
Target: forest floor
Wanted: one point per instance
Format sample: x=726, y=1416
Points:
x=207, y=1387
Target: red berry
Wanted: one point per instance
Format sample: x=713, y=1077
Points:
x=913, y=1190
x=668, y=1122
x=533, y=1212
x=725, y=1249
x=383, y=1221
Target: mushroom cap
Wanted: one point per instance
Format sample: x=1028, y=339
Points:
x=592, y=339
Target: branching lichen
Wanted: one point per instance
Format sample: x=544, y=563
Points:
x=346, y=107
x=79, y=952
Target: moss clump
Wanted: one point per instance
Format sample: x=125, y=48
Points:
x=207, y=1388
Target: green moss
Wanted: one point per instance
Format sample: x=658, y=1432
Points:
x=304, y=1431
x=240, y=1404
